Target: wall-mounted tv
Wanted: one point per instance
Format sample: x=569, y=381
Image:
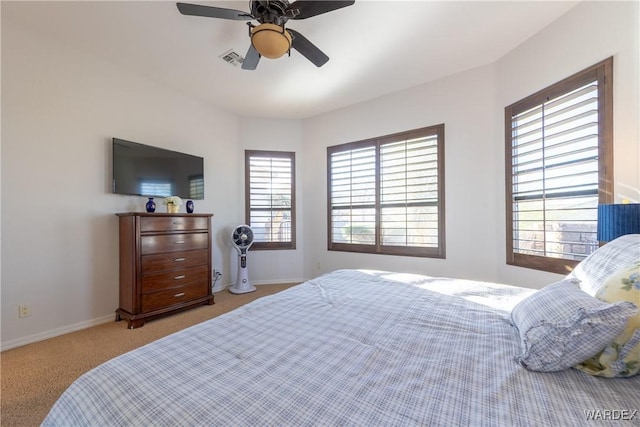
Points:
x=143, y=170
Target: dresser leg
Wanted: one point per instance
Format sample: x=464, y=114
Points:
x=137, y=323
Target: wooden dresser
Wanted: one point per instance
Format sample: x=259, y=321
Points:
x=165, y=264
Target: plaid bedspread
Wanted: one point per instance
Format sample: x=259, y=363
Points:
x=352, y=348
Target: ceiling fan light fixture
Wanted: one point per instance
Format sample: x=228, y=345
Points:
x=270, y=40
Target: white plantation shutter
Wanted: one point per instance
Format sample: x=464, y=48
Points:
x=196, y=187
x=409, y=192
x=353, y=198
x=555, y=155
x=270, y=198
x=386, y=194
x=159, y=188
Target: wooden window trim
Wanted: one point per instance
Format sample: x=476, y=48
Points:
x=603, y=72
x=378, y=248
x=247, y=203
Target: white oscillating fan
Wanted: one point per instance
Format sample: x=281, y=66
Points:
x=242, y=238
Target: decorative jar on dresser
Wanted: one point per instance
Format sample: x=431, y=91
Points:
x=165, y=264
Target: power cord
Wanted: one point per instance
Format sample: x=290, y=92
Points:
x=216, y=276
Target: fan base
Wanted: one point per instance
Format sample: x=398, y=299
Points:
x=242, y=288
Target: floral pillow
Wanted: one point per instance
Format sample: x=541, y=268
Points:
x=621, y=358
x=561, y=325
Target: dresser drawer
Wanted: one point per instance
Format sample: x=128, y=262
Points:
x=157, y=281
x=170, y=297
x=167, y=223
x=173, y=243
x=174, y=260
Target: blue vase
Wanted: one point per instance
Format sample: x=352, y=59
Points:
x=151, y=205
x=189, y=206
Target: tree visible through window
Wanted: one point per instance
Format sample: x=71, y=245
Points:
x=559, y=168
x=270, y=198
x=386, y=195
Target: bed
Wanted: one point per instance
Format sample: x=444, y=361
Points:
x=353, y=347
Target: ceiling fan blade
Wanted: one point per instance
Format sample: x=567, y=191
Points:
x=213, y=12
x=251, y=59
x=308, y=49
x=302, y=9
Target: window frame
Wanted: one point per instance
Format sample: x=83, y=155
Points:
x=291, y=155
x=602, y=72
x=378, y=248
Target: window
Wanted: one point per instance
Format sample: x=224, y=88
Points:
x=166, y=189
x=159, y=188
x=559, y=167
x=270, y=198
x=196, y=186
x=386, y=195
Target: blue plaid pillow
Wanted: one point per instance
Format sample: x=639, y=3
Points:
x=561, y=326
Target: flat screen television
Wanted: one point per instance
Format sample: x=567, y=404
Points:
x=143, y=170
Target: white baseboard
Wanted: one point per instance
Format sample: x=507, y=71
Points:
x=276, y=282
x=221, y=287
x=218, y=287
x=30, y=339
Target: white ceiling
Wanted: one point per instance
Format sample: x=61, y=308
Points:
x=375, y=47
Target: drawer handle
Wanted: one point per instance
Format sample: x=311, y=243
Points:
x=179, y=242
x=179, y=259
x=182, y=276
x=177, y=222
x=181, y=294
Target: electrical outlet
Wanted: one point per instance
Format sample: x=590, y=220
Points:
x=24, y=310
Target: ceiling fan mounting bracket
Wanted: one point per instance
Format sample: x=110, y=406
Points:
x=270, y=11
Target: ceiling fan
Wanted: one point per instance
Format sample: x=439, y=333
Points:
x=270, y=38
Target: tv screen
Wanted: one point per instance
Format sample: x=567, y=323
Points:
x=143, y=170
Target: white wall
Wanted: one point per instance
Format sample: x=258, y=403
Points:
x=267, y=266
x=60, y=109
x=460, y=102
x=471, y=104
x=587, y=34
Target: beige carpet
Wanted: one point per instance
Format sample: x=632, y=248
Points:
x=35, y=375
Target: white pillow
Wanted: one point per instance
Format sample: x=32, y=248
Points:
x=561, y=326
x=594, y=270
